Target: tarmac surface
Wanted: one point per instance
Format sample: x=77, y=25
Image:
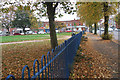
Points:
x=109, y=49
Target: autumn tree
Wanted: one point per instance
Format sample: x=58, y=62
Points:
x=90, y=13
x=109, y=8
x=50, y=9
x=119, y=14
x=22, y=20
x=105, y=9
x=59, y=24
x=8, y=15
x=33, y=21
x=23, y=16
x=117, y=20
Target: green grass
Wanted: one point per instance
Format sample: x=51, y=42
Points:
x=65, y=33
x=17, y=38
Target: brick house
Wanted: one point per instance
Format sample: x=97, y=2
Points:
x=67, y=23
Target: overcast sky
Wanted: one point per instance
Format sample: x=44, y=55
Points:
x=64, y=18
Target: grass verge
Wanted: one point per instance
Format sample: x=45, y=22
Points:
x=17, y=38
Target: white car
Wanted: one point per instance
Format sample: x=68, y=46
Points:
x=102, y=29
x=110, y=29
x=57, y=31
x=34, y=33
x=41, y=32
x=29, y=32
x=116, y=29
x=0, y=33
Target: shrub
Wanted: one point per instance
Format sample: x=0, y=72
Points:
x=107, y=37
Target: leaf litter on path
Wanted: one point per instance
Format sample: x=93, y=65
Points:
x=89, y=63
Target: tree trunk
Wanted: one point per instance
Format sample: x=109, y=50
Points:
x=8, y=33
x=51, y=13
x=106, y=18
x=24, y=31
x=119, y=21
x=8, y=29
x=90, y=28
x=106, y=25
x=95, y=32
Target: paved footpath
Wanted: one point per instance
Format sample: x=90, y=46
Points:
x=109, y=49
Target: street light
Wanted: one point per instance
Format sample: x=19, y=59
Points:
x=118, y=6
x=73, y=25
x=118, y=15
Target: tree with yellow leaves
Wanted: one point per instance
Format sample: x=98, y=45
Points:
x=59, y=24
x=92, y=12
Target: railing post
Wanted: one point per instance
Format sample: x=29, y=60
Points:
x=53, y=63
x=24, y=70
x=48, y=59
x=9, y=77
x=66, y=59
x=37, y=68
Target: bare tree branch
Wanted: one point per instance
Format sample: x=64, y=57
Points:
x=56, y=5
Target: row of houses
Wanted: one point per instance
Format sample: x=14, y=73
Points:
x=69, y=26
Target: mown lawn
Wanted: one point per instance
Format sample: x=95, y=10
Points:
x=17, y=38
x=16, y=56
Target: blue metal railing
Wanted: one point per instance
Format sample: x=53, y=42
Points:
x=58, y=63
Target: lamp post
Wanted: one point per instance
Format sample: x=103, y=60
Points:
x=118, y=16
x=100, y=30
x=72, y=28
x=118, y=6
x=73, y=25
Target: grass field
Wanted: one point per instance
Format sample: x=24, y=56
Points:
x=30, y=37
x=16, y=56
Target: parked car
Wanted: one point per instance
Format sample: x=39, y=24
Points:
x=34, y=33
x=18, y=32
x=57, y=31
x=110, y=29
x=4, y=33
x=0, y=33
x=115, y=29
x=41, y=32
x=68, y=31
x=29, y=32
x=102, y=29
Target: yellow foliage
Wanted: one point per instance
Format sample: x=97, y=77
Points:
x=92, y=12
